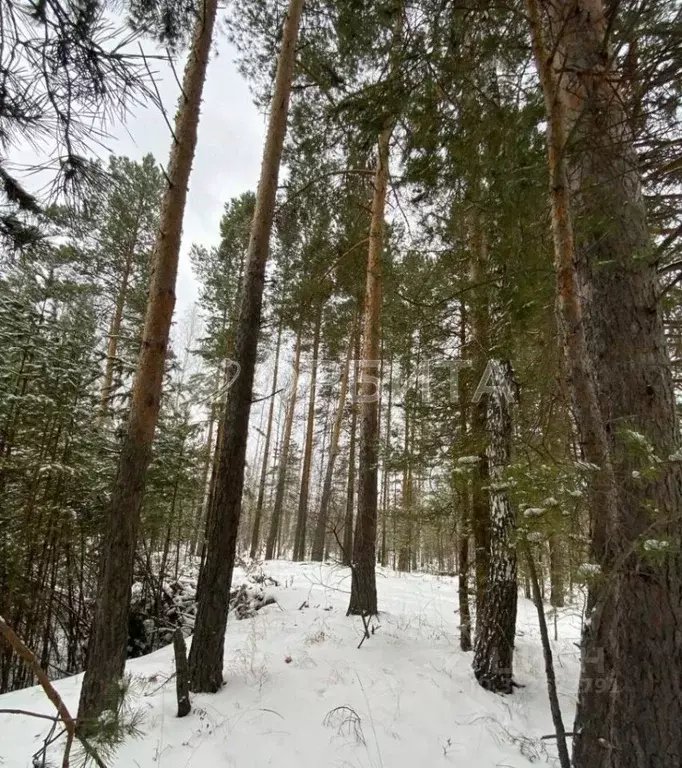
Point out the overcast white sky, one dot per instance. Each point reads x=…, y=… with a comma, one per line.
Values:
x=227, y=160
x=228, y=154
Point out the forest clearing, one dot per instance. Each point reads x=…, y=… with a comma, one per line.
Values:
x=300, y=692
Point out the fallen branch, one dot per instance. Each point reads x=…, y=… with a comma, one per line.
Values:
x=159, y=687
x=29, y=714
x=17, y=644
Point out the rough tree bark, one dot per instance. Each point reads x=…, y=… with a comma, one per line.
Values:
x=322, y=518
x=276, y=517
x=496, y=620
x=255, y=534
x=206, y=653
x=363, y=597
x=302, y=515
x=630, y=701
x=109, y=633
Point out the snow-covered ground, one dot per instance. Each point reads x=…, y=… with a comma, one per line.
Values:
x=300, y=694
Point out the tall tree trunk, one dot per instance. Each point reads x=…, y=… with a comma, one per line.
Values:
x=363, y=596
x=206, y=654
x=109, y=633
x=276, y=517
x=255, y=535
x=302, y=516
x=496, y=621
x=630, y=702
x=480, y=344
x=350, y=485
x=322, y=518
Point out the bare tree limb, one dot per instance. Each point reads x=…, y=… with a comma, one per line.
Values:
x=28, y=656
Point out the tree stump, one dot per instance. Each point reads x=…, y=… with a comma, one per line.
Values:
x=181, y=673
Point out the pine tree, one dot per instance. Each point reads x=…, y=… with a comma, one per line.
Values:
x=94, y=80
x=107, y=645
x=621, y=386
x=206, y=655
x=124, y=229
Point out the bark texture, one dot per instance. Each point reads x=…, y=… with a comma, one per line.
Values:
x=363, y=597
x=109, y=633
x=213, y=594
x=496, y=621
x=630, y=701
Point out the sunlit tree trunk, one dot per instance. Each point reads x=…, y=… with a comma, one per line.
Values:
x=630, y=702
x=206, y=654
x=109, y=633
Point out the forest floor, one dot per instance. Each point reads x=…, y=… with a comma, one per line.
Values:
x=301, y=694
